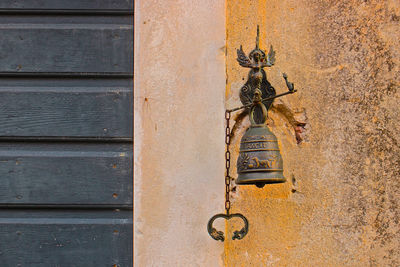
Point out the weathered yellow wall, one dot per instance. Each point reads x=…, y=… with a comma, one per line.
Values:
x=340, y=206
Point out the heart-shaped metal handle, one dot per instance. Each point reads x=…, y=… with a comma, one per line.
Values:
x=219, y=235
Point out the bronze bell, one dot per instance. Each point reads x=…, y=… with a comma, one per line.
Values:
x=259, y=161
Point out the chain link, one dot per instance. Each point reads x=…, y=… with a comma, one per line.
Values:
x=227, y=161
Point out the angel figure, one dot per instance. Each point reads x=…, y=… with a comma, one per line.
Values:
x=257, y=78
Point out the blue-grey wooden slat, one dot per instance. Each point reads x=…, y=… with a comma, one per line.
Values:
x=43, y=82
x=90, y=238
x=65, y=69
x=66, y=108
x=65, y=174
x=58, y=47
x=33, y=21
x=68, y=4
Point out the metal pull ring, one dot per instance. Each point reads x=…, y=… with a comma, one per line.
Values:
x=219, y=235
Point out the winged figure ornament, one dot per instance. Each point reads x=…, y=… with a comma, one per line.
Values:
x=259, y=61
x=270, y=57
x=243, y=60
x=257, y=78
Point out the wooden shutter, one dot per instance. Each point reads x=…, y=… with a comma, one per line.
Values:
x=66, y=96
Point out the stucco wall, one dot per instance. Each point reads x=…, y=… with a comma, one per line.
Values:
x=341, y=204
x=338, y=135
x=179, y=130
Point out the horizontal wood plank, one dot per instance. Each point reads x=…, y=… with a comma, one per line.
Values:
x=37, y=238
x=66, y=152
x=55, y=47
x=68, y=5
x=66, y=174
x=98, y=108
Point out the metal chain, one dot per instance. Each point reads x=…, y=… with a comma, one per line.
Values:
x=227, y=161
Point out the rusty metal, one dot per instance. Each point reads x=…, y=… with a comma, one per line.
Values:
x=262, y=100
x=227, y=162
x=259, y=161
x=219, y=235
x=257, y=78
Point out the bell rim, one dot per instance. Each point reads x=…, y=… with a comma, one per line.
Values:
x=274, y=180
x=259, y=170
x=252, y=182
